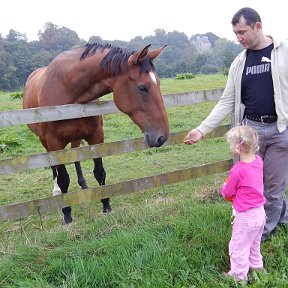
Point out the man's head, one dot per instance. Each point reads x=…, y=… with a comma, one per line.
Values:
x=250, y=16
x=247, y=27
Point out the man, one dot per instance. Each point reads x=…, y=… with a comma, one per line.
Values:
x=257, y=92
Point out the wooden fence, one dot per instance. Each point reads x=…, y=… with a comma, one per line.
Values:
x=37, y=206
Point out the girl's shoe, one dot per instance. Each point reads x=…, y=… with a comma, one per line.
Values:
x=227, y=275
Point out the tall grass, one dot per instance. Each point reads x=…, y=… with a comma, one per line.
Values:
x=172, y=236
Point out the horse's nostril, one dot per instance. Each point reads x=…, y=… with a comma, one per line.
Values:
x=161, y=141
x=154, y=142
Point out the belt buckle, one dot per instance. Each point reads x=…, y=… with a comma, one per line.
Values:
x=262, y=118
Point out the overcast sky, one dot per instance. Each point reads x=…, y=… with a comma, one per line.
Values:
x=126, y=19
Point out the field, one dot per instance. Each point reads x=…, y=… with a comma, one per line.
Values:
x=174, y=236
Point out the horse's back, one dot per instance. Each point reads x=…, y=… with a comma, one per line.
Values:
x=32, y=88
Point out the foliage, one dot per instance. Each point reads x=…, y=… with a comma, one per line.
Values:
x=54, y=38
x=18, y=57
x=208, y=69
x=17, y=94
x=9, y=140
x=225, y=71
x=182, y=76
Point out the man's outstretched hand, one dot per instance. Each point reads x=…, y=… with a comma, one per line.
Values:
x=193, y=137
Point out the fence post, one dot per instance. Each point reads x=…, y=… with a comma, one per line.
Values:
x=235, y=158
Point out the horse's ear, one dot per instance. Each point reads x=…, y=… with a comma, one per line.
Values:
x=154, y=53
x=137, y=57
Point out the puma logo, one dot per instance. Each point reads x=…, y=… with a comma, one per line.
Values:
x=265, y=59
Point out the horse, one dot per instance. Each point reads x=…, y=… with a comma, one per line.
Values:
x=82, y=75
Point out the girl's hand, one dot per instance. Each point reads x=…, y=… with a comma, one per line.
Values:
x=230, y=199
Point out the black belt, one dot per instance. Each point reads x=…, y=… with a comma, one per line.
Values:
x=263, y=119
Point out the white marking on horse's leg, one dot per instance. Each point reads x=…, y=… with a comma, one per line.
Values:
x=56, y=189
x=153, y=77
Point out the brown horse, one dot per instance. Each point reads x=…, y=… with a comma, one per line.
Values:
x=85, y=74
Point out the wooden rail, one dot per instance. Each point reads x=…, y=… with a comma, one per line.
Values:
x=67, y=156
x=16, y=211
x=70, y=111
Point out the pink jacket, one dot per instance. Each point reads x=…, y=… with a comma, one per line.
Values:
x=245, y=185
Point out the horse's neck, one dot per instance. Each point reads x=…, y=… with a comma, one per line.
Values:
x=94, y=92
x=84, y=81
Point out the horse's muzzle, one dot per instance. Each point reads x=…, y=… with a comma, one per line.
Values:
x=152, y=141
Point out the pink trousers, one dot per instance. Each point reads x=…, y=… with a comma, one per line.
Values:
x=244, y=246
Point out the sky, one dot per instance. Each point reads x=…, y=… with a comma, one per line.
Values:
x=127, y=19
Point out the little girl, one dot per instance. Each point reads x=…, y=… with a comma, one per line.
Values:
x=244, y=188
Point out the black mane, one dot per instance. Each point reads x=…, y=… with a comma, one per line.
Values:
x=117, y=57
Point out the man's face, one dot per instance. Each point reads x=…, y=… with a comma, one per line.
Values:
x=246, y=35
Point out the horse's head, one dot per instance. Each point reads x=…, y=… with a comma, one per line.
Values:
x=137, y=93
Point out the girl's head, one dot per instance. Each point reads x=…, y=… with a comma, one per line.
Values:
x=242, y=139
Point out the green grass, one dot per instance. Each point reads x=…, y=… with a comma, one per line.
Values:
x=200, y=82
x=173, y=236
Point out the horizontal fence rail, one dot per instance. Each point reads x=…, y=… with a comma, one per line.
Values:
x=33, y=207
x=71, y=111
x=67, y=156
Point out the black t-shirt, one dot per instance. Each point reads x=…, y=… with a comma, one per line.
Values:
x=257, y=90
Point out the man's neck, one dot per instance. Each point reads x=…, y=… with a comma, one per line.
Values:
x=264, y=42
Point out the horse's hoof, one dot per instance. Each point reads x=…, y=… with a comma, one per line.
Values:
x=68, y=219
x=107, y=209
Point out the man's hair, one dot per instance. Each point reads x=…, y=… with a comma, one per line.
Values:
x=250, y=15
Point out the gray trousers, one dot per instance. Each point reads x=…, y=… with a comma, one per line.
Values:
x=274, y=152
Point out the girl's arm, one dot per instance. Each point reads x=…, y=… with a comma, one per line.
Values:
x=229, y=188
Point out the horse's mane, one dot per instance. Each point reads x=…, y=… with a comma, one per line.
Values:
x=117, y=57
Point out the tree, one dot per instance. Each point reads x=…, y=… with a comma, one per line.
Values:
x=7, y=71
x=225, y=51
x=20, y=55
x=18, y=58
x=208, y=69
x=16, y=36
x=57, y=39
x=212, y=38
x=95, y=39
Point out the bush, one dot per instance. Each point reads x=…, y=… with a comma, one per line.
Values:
x=182, y=76
x=17, y=94
x=225, y=71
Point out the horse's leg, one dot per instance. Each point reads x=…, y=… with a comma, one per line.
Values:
x=97, y=137
x=56, y=189
x=81, y=180
x=63, y=180
x=60, y=175
x=100, y=175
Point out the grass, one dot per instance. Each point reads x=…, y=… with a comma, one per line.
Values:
x=173, y=236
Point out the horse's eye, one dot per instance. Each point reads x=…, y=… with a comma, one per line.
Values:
x=142, y=88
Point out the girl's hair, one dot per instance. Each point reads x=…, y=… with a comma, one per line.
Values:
x=243, y=136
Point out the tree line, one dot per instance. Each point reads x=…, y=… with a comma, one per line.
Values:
x=199, y=54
